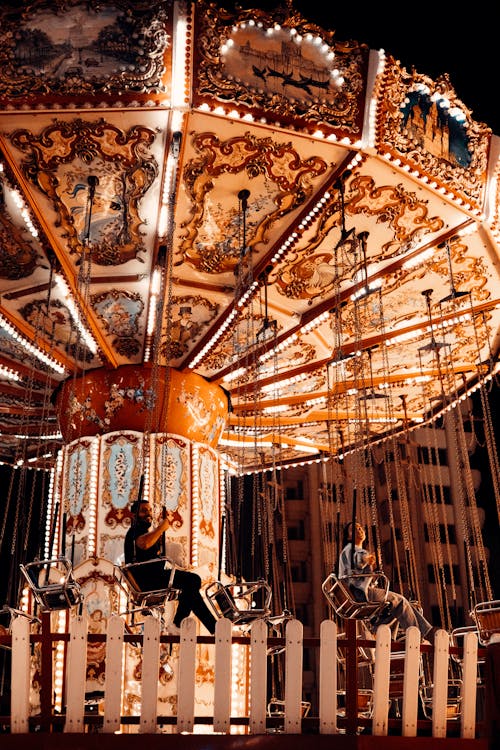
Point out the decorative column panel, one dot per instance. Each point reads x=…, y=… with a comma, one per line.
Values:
x=120, y=473
x=77, y=493
x=171, y=490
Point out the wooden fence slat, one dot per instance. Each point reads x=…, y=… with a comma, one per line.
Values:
x=150, y=670
x=257, y=685
x=76, y=667
x=380, y=717
x=258, y=677
x=411, y=679
x=186, y=676
x=113, y=681
x=440, y=687
x=293, y=676
x=469, y=687
x=20, y=680
x=328, y=678
x=223, y=676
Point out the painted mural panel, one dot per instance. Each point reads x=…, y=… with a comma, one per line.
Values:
x=425, y=124
x=121, y=48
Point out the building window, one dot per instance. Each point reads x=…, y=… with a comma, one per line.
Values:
x=295, y=491
x=452, y=537
x=299, y=572
x=431, y=456
x=447, y=573
x=297, y=532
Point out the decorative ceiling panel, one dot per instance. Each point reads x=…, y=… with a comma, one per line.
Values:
x=241, y=195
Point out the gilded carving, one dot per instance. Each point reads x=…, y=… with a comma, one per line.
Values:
x=59, y=161
x=209, y=239
x=424, y=123
x=259, y=66
x=18, y=259
x=189, y=317
x=70, y=48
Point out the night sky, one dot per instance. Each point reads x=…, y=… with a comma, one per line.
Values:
x=434, y=38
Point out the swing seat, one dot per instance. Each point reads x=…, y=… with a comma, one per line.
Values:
x=53, y=584
x=486, y=615
x=241, y=602
x=348, y=602
x=139, y=597
x=453, y=702
x=276, y=708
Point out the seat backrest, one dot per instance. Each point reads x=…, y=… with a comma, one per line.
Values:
x=52, y=583
x=139, y=595
x=241, y=602
x=127, y=572
x=338, y=594
x=487, y=618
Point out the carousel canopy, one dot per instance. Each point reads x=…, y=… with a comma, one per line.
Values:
x=296, y=218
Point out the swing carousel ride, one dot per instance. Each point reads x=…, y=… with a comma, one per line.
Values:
x=293, y=217
x=231, y=243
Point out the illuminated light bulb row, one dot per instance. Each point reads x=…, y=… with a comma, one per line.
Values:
x=291, y=240
x=153, y=302
x=418, y=421
x=365, y=290
x=48, y=517
x=442, y=101
x=16, y=197
x=418, y=260
x=7, y=372
x=316, y=40
x=415, y=335
x=320, y=401
x=277, y=409
x=313, y=213
x=463, y=396
x=238, y=441
x=356, y=159
x=285, y=383
x=179, y=63
x=238, y=669
x=59, y=663
x=222, y=506
x=168, y=188
x=234, y=375
x=148, y=468
x=31, y=460
x=92, y=498
x=271, y=353
x=224, y=326
x=322, y=318
x=50, y=436
x=228, y=45
x=195, y=505
x=75, y=314
x=450, y=195
x=251, y=430
x=372, y=110
x=25, y=600
x=29, y=347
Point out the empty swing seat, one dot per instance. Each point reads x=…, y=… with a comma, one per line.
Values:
x=240, y=602
x=486, y=615
x=345, y=599
x=53, y=584
x=140, y=597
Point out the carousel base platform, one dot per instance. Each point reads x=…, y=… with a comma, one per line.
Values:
x=94, y=741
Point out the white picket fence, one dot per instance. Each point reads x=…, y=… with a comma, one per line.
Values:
x=257, y=720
